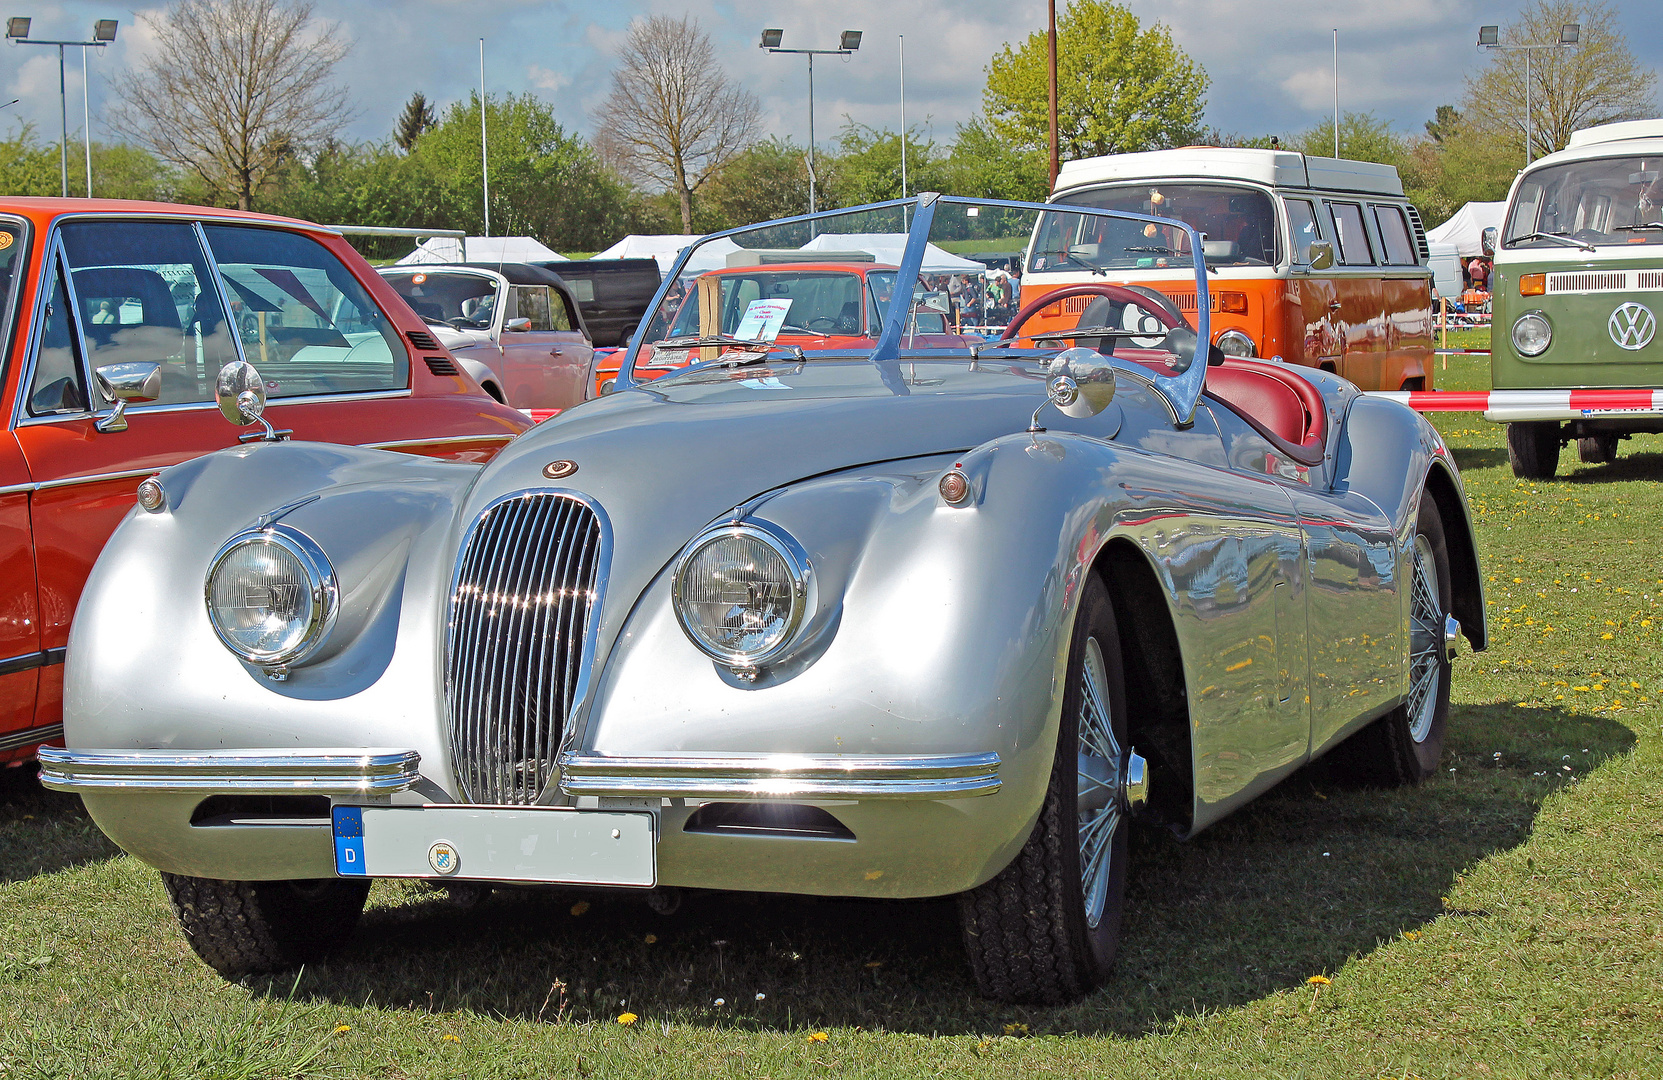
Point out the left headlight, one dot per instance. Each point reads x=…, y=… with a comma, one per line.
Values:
x=271, y=595
x=1236, y=343
x=742, y=592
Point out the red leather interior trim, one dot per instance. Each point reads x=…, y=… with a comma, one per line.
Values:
x=1284, y=408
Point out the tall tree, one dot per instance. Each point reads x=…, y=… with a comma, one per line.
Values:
x=1120, y=88
x=1597, y=81
x=672, y=118
x=416, y=118
x=234, y=89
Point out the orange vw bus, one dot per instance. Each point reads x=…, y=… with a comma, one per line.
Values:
x=1314, y=261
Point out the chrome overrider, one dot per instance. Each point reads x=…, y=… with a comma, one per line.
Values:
x=242, y=772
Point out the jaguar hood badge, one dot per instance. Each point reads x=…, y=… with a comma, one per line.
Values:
x=559, y=470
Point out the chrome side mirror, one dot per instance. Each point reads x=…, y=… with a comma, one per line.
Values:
x=1080, y=383
x=136, y=380
x=517, y=326
x=1319, y=254
x=242, y=396
x=1487, y=240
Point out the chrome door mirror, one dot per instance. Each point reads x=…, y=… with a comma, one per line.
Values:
x=1319, y=255
x=1487, y=240
x=135, y=380
x=1079, y=382
x=242, y=396
x=517, y=326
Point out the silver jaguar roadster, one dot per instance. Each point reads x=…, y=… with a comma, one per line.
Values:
x=796, y=609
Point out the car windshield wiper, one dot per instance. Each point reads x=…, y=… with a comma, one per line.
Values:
x=1093, y=332
x=1640, y=225
x=1077, y=261
x=1558, y=238
x=1153, y=249
x=729, y=339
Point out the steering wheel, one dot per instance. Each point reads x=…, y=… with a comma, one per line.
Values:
x=1120, y=294
x=821, y=322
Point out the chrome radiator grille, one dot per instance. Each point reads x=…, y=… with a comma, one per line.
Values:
x=514, y=649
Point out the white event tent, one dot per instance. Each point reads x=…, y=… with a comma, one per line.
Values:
x=447, y=249
x=667, y=247
x=887, y=248
x=1466, y=229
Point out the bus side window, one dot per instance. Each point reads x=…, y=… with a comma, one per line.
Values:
x=1354, y=238
x=1302, y=223
x=1394, y=236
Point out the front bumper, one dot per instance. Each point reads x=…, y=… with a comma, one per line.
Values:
x=920, y=826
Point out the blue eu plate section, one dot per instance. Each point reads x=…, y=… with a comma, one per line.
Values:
x=349, y=840
x=551, y=844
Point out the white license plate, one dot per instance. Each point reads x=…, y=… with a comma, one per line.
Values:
x=554, y=844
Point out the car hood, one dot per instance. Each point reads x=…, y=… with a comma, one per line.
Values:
x=664, y=459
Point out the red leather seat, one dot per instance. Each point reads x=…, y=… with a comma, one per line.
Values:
x=1275, y=400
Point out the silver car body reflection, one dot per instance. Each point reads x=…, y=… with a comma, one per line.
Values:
x=919, y=704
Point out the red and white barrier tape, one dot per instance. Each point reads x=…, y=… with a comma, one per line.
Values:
x=1503, y=406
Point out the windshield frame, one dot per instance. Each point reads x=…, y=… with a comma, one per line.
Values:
x=1171, y=187
x=13, y=299
x=1181, y=392
x=1512, y=235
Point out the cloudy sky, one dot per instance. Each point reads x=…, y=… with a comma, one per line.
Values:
x=1271, y=63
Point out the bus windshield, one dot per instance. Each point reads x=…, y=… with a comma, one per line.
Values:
x=1614, y=200
x=1238, y=223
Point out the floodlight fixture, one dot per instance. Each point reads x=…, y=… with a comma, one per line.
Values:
x=104, y=29
x=17, y=28
x=850, y=41
x=1489, y=35
x=771, y=39
x=1570, y=33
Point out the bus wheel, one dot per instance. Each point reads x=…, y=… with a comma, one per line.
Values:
x=1533, y=449
x=1597, y=449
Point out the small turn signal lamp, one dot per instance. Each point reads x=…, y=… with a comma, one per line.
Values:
x=1235, y=303
x=1533, y=284
x=954, y=487
x=151, y=496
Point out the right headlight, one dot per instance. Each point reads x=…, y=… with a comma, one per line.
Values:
x=271, y=595
x=742, y=592
x=1532, y=334
x=1236, y=343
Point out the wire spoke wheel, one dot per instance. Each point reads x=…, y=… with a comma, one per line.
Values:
x=1426, y=632
x=1098, y=768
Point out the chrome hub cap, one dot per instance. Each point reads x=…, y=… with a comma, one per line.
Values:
x=1110, y=783
x=1426, y=642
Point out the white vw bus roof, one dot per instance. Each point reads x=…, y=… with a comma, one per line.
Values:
x=1275, y=168
x=1626, y=129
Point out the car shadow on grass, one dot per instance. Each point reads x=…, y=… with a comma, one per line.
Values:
x=1313, y=873
x=1468, y=458
x=42, y=832
x=1647, y=466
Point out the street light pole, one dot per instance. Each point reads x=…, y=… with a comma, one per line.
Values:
x=1489, y=37
x=848, y=43
x=103, y=32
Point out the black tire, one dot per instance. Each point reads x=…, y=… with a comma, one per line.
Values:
x=1027, y=931
x=1597, y=449
x=243, y=928
x=1403, y=747
x=1533, y=449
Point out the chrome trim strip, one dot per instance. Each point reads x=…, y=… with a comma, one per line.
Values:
x=246, y=772
x=16, y=489
x=429, y=442
x=30, y=736
x=204, y=406
x=72, y=481
x=781, y=776
x=31, y=661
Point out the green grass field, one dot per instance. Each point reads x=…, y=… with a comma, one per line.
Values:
x=1504, y=920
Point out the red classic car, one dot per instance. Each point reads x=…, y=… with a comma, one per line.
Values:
x=107, y=300
x=822, y=304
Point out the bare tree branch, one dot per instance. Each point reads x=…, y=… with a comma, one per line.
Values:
x=235, y=89
x=672, y=117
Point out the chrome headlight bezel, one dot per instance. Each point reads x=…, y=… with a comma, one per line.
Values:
x=1236, y=339
x=320, y=581
x=797, y=565
x=1532, y=317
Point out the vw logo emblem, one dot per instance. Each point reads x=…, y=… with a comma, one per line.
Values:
x=1632, y=326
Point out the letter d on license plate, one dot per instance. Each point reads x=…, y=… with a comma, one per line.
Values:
x=552, y=844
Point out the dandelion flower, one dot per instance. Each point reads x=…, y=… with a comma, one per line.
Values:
x=580, y=907
x=1318, y=980
x=651, y=939
x=452, y=1038
x=818, y=1036
x=1413, y=935
x=627, y=1019
x=1016, y=1029
x=342, y=1029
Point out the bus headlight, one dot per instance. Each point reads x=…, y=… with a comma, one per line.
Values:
x=1532, y=334
x=1236, y=343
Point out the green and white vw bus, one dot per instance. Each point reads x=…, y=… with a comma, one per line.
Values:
x=1578, y=288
